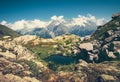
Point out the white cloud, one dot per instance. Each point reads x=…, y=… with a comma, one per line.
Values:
x=86, y=20
x=3, y=22
x=21, y=24
x=82, y=21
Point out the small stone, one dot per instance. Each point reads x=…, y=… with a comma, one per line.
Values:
x=111, y=54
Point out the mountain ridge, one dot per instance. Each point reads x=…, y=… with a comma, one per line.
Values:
x=111, y=25
x=5, y=31
x=58, y=25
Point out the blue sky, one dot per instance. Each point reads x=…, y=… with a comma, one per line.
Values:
x=13, y=10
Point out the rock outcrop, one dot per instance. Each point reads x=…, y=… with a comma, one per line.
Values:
x=86, y=46
x=18, y=64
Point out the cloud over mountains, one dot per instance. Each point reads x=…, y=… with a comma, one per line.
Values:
x=88, y=22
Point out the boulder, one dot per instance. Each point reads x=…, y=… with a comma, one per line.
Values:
x=105, y=46
x=118, y=28
x=86, y=38
x=93, y=57
x=6, y=37
x=24, y=39
x=111, y=55
x=96, y=51
x=106, y=78
x=83, y=63
x=58, y=52
x=76, y=51
x=14, y=78
x=86, y=46
x=0, y=50
x=116, y=15
x=110, y=33
x=29, y=79
x=118, y=50
x=8, y=55
x=117, y=32
x=116, y=42
x=109, y=39
x=96, y=44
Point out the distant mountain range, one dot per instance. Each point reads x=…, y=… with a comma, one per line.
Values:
x=57, y=28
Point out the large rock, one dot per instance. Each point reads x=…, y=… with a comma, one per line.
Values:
x=29, y=79
x=109, y=39
x=14, y=78
x=111, y=55
x=83, y=63
x=116, y=42
x=109, y=33
x=86, y=46
x=116, y=15
x=24, y=39
x=8, y=55
x=106, y=78
x=16, y=51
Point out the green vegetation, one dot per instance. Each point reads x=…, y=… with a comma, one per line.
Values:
x=46, y=53
x=33, y=67
x=5, y=31
x=43, y=52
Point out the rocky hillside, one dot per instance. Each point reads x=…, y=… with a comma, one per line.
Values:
x=5, y=31
x=18, y=64
x=111, y=26
x=66, y=58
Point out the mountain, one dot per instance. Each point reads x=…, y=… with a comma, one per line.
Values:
x=41, y=32
x=58, y=30
x=5, y=31
x=81, y=31
x=52, y=31
x=57, y=26
x=112, y=25
x=64, y=58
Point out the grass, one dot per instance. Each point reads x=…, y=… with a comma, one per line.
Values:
x=33, y=68
x=43, y=52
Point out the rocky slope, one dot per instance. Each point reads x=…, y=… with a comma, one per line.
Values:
x=111, y=26
x=18, y=64
x=66, y=58
x=5, y=31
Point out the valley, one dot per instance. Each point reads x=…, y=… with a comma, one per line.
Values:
x=64, y=58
